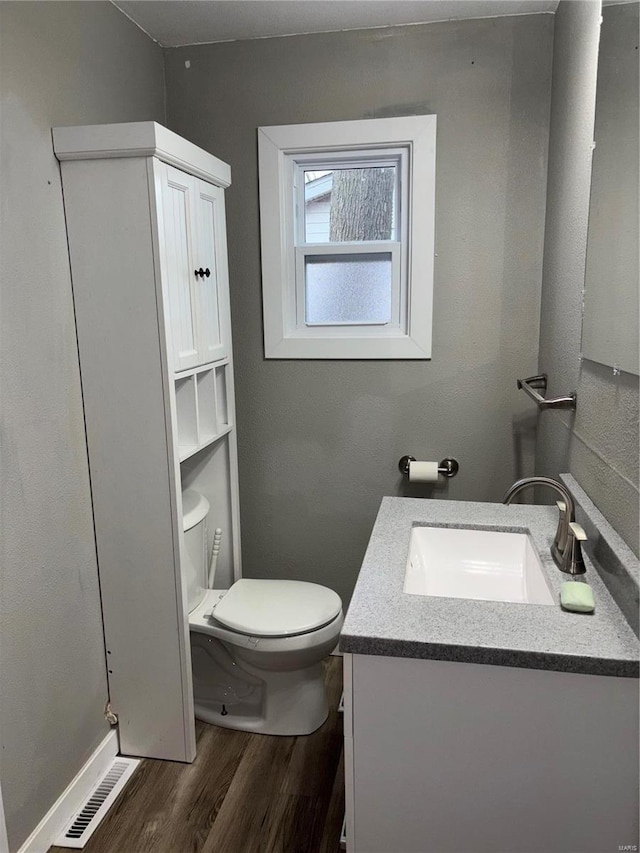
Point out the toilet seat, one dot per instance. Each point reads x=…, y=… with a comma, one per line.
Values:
x=276, y=608
x=201, y=622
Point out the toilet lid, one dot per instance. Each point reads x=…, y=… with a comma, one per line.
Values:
x=275, y=608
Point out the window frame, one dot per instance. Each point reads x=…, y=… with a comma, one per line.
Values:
x=396, y=247
x=284, y=152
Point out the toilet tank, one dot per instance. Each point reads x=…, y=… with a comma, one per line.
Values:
x=195, y=508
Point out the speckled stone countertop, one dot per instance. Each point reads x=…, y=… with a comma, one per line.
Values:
x=383, y=620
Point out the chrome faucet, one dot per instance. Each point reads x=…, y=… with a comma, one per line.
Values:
x=566, y=550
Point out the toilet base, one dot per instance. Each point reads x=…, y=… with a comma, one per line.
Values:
x=288, y=703
x=269, y=685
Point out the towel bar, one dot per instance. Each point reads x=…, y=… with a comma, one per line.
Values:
x=530, y=386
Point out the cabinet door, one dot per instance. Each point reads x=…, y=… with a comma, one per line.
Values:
x=178, y=227
x=211, y=255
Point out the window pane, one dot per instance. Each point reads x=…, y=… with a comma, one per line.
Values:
x=346, y=205
x=342, y=289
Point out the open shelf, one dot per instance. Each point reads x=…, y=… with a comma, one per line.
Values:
x=207, y=409
x=187, y=415
x=221, y=395
x=210, y=472
x=187, y=452
x=201, y=407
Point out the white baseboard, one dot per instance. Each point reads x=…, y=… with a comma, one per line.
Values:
x=4, y=842
x=68, y=803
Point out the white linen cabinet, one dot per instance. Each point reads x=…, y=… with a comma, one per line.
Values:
x=147, y=244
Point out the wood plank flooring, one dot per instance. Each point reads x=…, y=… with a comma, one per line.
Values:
x=244, y=793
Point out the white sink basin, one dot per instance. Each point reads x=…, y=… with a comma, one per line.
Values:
x=481, y=564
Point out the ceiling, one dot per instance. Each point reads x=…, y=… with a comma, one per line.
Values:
x=174, y=23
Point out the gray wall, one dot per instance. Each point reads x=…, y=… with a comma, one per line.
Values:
x=319, y=441
x=62, y=63
x=599, y=444
x=612, y=297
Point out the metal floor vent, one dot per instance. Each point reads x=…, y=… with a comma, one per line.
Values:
x=98, y=803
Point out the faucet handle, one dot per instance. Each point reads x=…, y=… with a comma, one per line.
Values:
x=572, y=561
x=560, y=539
x=578, y=531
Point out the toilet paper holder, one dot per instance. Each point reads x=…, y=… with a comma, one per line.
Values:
x=449, y=466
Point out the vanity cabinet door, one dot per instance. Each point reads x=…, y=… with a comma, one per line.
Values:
x=456, y=757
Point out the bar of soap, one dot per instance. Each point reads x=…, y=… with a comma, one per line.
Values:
x=577, y=597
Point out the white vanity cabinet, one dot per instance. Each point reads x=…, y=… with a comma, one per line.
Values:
x=144, y=211
x=453, y=757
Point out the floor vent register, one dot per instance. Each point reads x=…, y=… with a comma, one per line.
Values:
x=97, y=804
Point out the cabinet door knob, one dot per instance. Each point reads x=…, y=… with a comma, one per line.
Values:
x=207, y=272
x=202, y=273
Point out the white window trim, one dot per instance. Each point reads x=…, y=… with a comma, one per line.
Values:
x=283, y=337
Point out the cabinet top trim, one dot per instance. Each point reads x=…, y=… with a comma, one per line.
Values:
x=139, y=139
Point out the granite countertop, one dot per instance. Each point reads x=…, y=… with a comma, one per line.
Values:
x=383, y=620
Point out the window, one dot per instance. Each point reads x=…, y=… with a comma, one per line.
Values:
x=347, y=226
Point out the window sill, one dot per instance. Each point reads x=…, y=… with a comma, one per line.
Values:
x=381, y=348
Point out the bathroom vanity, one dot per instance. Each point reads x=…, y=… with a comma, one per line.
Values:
x=477, y=726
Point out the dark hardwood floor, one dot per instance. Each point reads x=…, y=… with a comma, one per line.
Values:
x=244, y=793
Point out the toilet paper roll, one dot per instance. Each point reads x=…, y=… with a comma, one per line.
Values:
x=423, y=472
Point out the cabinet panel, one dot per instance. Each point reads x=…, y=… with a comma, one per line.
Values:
x=455, y=757
x=207, y=416
x=177, y=203
x=222, y=406
x=137, y=509
x=210, y=255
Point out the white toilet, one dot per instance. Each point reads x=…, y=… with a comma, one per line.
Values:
x=257, y=648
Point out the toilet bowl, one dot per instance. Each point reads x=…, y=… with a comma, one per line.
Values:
x=261, y=679
x=256, y=648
